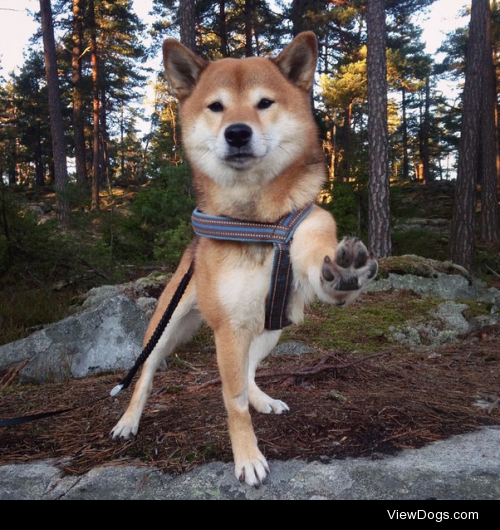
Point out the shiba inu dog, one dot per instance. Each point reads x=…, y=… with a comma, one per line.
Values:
x=253, y=146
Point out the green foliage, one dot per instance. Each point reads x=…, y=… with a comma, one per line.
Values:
x=168, y=201
x=171, y=244
x=345, y=207
x=156, y=226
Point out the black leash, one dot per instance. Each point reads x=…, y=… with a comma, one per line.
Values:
x=153, y=341
x=37, y=417
x=155, y=338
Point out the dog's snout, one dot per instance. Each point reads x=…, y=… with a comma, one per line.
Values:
x=238, y=135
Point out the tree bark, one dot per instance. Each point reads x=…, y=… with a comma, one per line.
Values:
x=248, y=28
x=56, y=119
x=296, y=15
x=223, y=29
x=406, y=158
x=96, y=162
x=39, y=173
x=378, y=132
x=187, y=9
x=490, y=223
x=344, y=170
x=463, y=234
x=78, y=120
x=426, y=130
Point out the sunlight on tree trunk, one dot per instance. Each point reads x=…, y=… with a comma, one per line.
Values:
x=78, y=102
x=96, y=183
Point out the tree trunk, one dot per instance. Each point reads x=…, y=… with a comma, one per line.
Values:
x=56, y=120
x=378, y=132
x=426, y=130
x=406, y=158
x=463, y=234
x=490, y=224
x=96, y=182
x=122, y=143
x=223, y=29
x=78, y=121
x=39, y=173
x=187, y=9
x=296, y=15
x=248, y=28
x=344, y=170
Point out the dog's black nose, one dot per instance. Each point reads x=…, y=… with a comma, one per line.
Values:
x=238, y=135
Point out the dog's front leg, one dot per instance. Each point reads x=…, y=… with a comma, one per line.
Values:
x=233, y=358
x=336, y=272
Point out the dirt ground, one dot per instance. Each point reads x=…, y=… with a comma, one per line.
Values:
x=343, y=405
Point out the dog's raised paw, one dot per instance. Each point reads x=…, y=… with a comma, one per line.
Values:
x=352, y=269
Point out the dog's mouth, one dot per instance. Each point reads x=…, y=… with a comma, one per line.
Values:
x=241, y=160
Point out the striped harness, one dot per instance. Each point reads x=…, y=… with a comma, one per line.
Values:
x=280, y=234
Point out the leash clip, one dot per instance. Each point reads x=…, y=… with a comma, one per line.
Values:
x=116, y=390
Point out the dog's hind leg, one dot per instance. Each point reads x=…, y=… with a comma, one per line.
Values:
x=185, y=321
x=261, y=347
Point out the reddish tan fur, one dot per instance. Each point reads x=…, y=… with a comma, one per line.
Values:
x=285, y=171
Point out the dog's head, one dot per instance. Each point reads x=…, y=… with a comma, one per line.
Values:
x=245, y=121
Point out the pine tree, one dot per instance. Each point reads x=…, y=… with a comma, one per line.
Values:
x=187, y=11
x=56, y=120
x=32, y=118
x=78, y=93
x=463, y=236
x=379, y=183
x=490, y=222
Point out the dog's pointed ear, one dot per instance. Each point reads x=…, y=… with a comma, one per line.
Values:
x=182, y=68
x=299, y=59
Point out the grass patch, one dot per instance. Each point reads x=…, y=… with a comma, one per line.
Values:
x=362, y=327
x=22, y=311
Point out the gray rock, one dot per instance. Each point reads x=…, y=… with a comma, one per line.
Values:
x=446, y=325
x=98, y=295
x=147, y=306
x=443, y=286
x=293, y=348
x=104, y=338
x=434, y=225
x=136, y=290
x=35, y=210
x=451, y=314
x=462, y=468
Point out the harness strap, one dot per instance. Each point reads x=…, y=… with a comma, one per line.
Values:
x=280, y=234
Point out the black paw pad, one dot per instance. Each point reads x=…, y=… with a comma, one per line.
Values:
x=348, y=284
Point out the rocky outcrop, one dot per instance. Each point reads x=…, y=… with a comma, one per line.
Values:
x=104, y=338
x=144, y=291
x=442, y=280
x=462, y=468
x=446, y=325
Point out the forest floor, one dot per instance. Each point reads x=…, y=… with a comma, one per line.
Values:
x=377, y=400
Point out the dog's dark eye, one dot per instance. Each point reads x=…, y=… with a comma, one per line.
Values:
x=216, y=107
x=265, y=104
